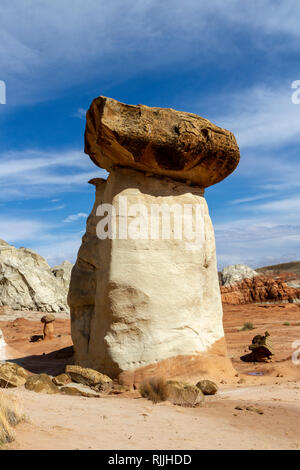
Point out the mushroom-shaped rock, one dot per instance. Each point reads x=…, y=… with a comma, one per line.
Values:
x=48, y=321
x=146, y=301
x=183, y=146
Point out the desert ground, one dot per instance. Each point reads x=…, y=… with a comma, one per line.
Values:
x=259, y=410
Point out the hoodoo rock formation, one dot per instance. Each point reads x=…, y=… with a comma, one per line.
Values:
x=144, y=292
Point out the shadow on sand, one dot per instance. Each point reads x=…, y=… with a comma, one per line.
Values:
x=53, y=363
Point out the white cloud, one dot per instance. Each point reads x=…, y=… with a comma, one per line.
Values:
x=262, y=117
x=34, y=173
x=80, y=114
x=74, y=217
x=89, y=39
x=13, y=230
x=63, y=247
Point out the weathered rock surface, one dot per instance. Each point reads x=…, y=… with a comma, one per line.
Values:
x=79, y=390
x=184, y=394
x=41, y=383
x=166, y=142
x=144, y=307
x=86, y=376
x=259, y=289
x=27, y=282
x=62, y=272
x=12, y=375
x=61, y=379
x=236, y=273
x=207, y=387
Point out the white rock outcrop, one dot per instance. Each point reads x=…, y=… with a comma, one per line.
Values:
x=62, y=272
x=236, y=273
x=144, y=306
x=28, y=283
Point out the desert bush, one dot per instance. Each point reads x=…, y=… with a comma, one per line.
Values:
x=247, y=326
x=10, y=415
x=155, y=389
x=286, y=323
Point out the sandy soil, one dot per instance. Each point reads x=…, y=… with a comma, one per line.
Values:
x=272, y=420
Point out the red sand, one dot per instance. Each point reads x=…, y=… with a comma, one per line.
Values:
x=130, y=422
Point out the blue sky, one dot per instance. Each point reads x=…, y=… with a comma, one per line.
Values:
x=232, y=62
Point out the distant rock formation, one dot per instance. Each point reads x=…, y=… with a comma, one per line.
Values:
x=236, y=273
x=288, y=272
x=62, y=272
x=142, y=307
x=242, y=285
x=28, y=283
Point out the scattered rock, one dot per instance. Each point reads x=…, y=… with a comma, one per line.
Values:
x=261, y=349
x=110, y=388
x=41, y=383
x=249, y=408
x=183, y=394
x=207, y=387
x=77, y=391
x=86, y=376
x=61, y=379
x=12, y=375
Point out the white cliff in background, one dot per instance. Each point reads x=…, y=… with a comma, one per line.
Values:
x=28, y=283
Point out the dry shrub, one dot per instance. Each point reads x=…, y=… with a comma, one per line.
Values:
x=247, y=326
x=11, y=414
x=155, y=389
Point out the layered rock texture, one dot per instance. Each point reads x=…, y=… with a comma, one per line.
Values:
x=166, y=142
x=242, y=285
x=28, y=283
x=144, y=305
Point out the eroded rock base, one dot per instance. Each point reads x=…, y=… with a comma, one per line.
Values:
x=141, y=306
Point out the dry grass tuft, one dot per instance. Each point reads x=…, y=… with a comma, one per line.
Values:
x=247, y=326
x=11, y=414
x=155, y=389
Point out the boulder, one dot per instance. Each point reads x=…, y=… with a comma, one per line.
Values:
x=184, y=394
x=27, y=282
x=41, y=383
x=207, y=387
x=162, y=141
x=12, y=375
x=86, y=376
x=79, y=391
